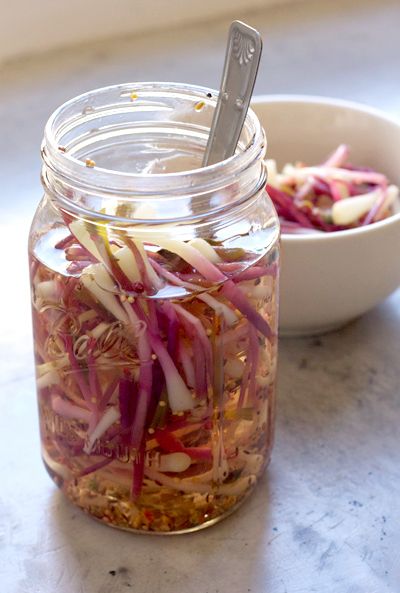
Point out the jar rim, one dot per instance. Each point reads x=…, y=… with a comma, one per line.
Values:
x=70, y=167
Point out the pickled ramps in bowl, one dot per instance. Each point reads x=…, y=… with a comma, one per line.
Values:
x=333, y=196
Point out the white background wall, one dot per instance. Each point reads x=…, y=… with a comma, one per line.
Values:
x=29, y=26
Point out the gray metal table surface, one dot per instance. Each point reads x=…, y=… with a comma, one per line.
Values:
x=325, y=517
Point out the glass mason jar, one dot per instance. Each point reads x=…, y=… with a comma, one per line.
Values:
x=154, y=299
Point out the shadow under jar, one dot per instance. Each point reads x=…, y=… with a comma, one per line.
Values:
x=154, y=299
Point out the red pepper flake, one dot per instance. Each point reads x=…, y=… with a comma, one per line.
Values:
x=138, y=287
x=148, y=515
x=62, y=149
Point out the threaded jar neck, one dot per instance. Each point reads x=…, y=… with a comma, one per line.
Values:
x=133, y=152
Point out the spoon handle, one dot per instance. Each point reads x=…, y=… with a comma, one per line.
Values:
x=242, y=58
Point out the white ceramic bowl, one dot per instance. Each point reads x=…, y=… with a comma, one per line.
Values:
x=329, y=279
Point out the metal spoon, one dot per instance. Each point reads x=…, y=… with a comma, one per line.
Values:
x=242, y=58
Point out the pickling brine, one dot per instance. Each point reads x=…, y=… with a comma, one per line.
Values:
x=155, y=339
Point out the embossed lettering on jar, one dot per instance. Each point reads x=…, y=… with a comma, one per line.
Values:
x=154, y=299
